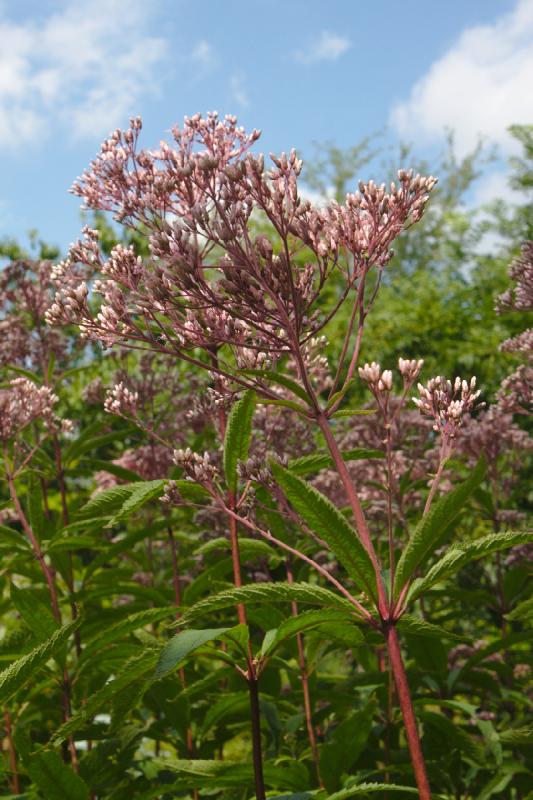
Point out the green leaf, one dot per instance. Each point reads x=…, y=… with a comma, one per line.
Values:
x=13, y=538
x=352, y=412
x=415, y=626
x=56, y=780
x=280, y=380
x=240, y=637
x=238, y=437
x=229, y=705
x=517, y=736
x=300, y=623
x=267, y=401
x=107, y=501
x=317, y=461
x=132, y=623
x=370, y=788
x=248, y=548
x=24, y=669
x=349, y=739
x=138, y=669
x=268, y=593
x=35, y=614
x=203, y=774
x=141, y=493
x=182, y=645
x=464, y=552
x=341, y=393
x=26, y=373
x=428, y=533
x=523, y=611
x=457, y=738
x=87, y=441
x=328, y=523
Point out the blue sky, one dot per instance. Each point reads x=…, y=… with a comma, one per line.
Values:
x=300, y=70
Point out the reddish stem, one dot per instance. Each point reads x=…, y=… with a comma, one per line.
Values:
x=406, y=705
x=177, y=602
x=15, y=780
x=46, y=570
x=65, y=517
x=357, y=511
x=304, y=677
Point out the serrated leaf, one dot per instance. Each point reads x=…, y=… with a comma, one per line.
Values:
x=182, y=645
x=268, y=593
x=429, y=530
x=517, y=736
x=203, y=774
x=230, y=704
x=279, y=379
x=305, y=621
x=138, y=668
x=24, y=669
x=523, y=611
x=416, y=626
x=239, y=636
x=35, y=614
x=317, y=461
x=106, y=502
x=132, y=623
x=56, y=780
x=248, y=548
x=330, y=525
x=454, y=733
x=13, y=538
x=267, y=401
x=370, y=788
x=238, y=437
x=465, y=552
x=347, y=742
x=141, y=493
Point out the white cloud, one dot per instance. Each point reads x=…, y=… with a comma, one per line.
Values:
x=238, y=90
x=84, y=68
x=327, y=47
x=479, y=87
x=203, y=54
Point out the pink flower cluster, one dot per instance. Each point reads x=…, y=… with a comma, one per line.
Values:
x=211, y=282
x=22, y=403
x=446, y=403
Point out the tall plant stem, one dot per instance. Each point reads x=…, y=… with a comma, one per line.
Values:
x=235, y=559
x=251, y=674
x=47, y=571
x=253, y=689
x=395, y=656
x=434, y=486
x=176, y=583
x=390, y=529
x=15, y=780
x=49, y=576
x=304, y=677
x=406, y=705
x=65, y=518
x=357, y=511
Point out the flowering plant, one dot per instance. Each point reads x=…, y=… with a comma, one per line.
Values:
x=348, y=510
